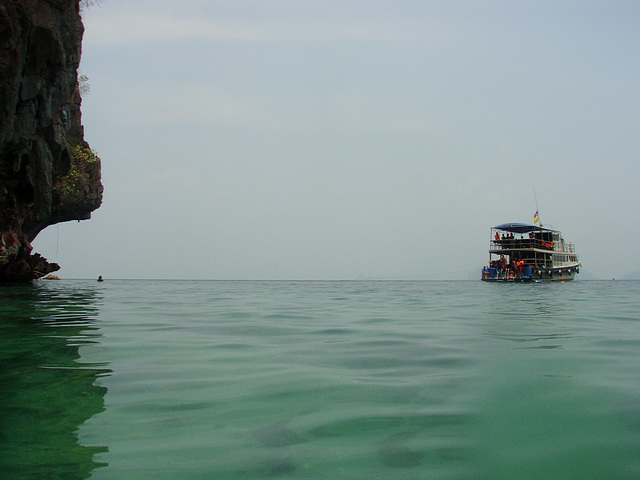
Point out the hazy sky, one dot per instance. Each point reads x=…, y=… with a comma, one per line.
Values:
x=307, y=139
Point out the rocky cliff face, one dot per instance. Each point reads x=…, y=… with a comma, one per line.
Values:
x=48, y=173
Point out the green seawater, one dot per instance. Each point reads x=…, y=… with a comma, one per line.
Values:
x=319, y=380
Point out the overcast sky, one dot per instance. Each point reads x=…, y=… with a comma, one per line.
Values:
x=352, y=139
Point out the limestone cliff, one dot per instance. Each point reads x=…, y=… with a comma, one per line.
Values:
x=48, y=173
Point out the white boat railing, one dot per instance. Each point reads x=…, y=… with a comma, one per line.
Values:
x=523, y=243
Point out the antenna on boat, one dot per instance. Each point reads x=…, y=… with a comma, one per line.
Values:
x=536, y=216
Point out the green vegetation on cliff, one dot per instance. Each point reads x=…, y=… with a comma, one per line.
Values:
x=73, y=184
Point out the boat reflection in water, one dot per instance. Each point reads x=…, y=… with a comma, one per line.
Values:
x=519, y=252
x=46, y=391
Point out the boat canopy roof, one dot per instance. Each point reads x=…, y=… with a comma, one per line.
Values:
x=521, y=228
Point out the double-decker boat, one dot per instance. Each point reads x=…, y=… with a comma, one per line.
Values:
x=519, y=252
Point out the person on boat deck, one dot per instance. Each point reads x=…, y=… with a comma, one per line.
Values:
x=503, y=262
x=497, y=237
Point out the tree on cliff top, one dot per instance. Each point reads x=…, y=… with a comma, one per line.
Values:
x=88, y=3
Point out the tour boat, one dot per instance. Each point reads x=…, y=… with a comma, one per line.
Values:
x=519, y=252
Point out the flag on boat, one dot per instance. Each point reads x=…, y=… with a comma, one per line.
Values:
x=536, y=217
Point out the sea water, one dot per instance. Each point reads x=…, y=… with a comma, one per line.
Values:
x=319, y=380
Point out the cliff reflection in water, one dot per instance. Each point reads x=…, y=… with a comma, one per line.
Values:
x=46, y=391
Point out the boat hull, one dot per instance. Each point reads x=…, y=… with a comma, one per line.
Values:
x=565, y=274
